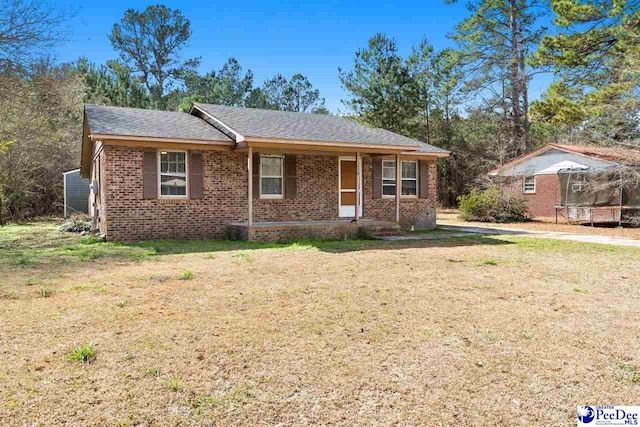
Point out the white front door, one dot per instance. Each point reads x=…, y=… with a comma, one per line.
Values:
x=347, y=174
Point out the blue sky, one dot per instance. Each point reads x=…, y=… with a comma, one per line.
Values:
x=312, y=38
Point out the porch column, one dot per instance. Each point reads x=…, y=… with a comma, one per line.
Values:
x=358, y=189
x=398, y=186
x=250, y=181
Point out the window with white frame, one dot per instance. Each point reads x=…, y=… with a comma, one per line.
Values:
x=409, y=178
x=579, y=184
x=173, y=174
x=529, y=185
x=388, y=178
x=271, y=171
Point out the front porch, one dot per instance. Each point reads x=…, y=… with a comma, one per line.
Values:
x=273, y=231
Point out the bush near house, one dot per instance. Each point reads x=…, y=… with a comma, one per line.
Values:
x=76, y=226
x=492, y=205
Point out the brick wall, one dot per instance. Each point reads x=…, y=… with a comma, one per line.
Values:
x=545, y=198
x=416, y=212
x=275, y=233
x=130, y=217
x=316, y=193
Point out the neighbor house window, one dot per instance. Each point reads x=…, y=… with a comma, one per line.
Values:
x=271, y=171
x=578, y=182
x=529, y=185
x=409, y=176
x=173, y=174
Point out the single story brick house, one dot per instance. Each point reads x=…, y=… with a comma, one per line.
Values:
x=534, y=176
x=224, y=172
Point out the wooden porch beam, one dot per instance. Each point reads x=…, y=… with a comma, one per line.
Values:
x=398, y=187
x=250, y=182
x=357, y=186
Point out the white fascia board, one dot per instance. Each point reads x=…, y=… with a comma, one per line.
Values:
x=238, y=136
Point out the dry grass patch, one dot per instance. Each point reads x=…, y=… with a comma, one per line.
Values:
x=451, y=216
x=356, y=332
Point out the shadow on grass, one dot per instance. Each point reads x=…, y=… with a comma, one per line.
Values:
x=41, y=245
x=172, y=247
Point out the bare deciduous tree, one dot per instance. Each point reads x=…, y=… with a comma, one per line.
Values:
x=27, y=29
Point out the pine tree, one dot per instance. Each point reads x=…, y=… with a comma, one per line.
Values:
x=494, y=42
x=596, y=58
x=380, y=86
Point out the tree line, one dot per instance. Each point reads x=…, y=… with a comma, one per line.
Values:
x=472, y=98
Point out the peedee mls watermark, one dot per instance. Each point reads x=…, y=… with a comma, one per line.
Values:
x=608, y=415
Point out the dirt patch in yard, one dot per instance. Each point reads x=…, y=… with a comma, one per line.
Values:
x=498, y=330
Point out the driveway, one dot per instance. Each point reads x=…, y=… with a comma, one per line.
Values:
x=606, y=240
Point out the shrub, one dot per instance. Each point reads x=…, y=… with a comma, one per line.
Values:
x=76, y=226
x=492, y=205
x=85, y=353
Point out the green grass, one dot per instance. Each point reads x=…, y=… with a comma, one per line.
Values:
x=564, y=246
x=173, y=384
x=435, y=231
x=186, y=275
x=85, y=353
x=40, y=245
x=152, y=372
x=244, y=256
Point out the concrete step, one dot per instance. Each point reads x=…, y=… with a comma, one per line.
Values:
x=387, y=229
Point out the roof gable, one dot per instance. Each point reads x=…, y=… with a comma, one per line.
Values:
x=543, y=160
x=254, y=123
x=137, y=122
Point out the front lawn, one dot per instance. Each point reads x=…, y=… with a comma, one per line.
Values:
x=473, y=330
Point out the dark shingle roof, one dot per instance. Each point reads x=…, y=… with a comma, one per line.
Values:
x=252, y=122
x=621, y=155
x=150, y=123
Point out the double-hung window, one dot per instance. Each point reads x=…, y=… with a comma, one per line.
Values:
x=173, y=174
x=271, y=172
x=409, y=178
x=388, y=178
x=529, y=185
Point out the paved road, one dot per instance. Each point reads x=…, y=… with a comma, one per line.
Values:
x=461, y=230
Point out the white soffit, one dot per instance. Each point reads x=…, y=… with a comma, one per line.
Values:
x=565, y=164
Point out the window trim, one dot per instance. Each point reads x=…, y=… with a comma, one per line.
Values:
x=388, y=196
x=186, y=175
x=416, y=179
x=410, y=196
x=524, y=185
x=271, y=196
